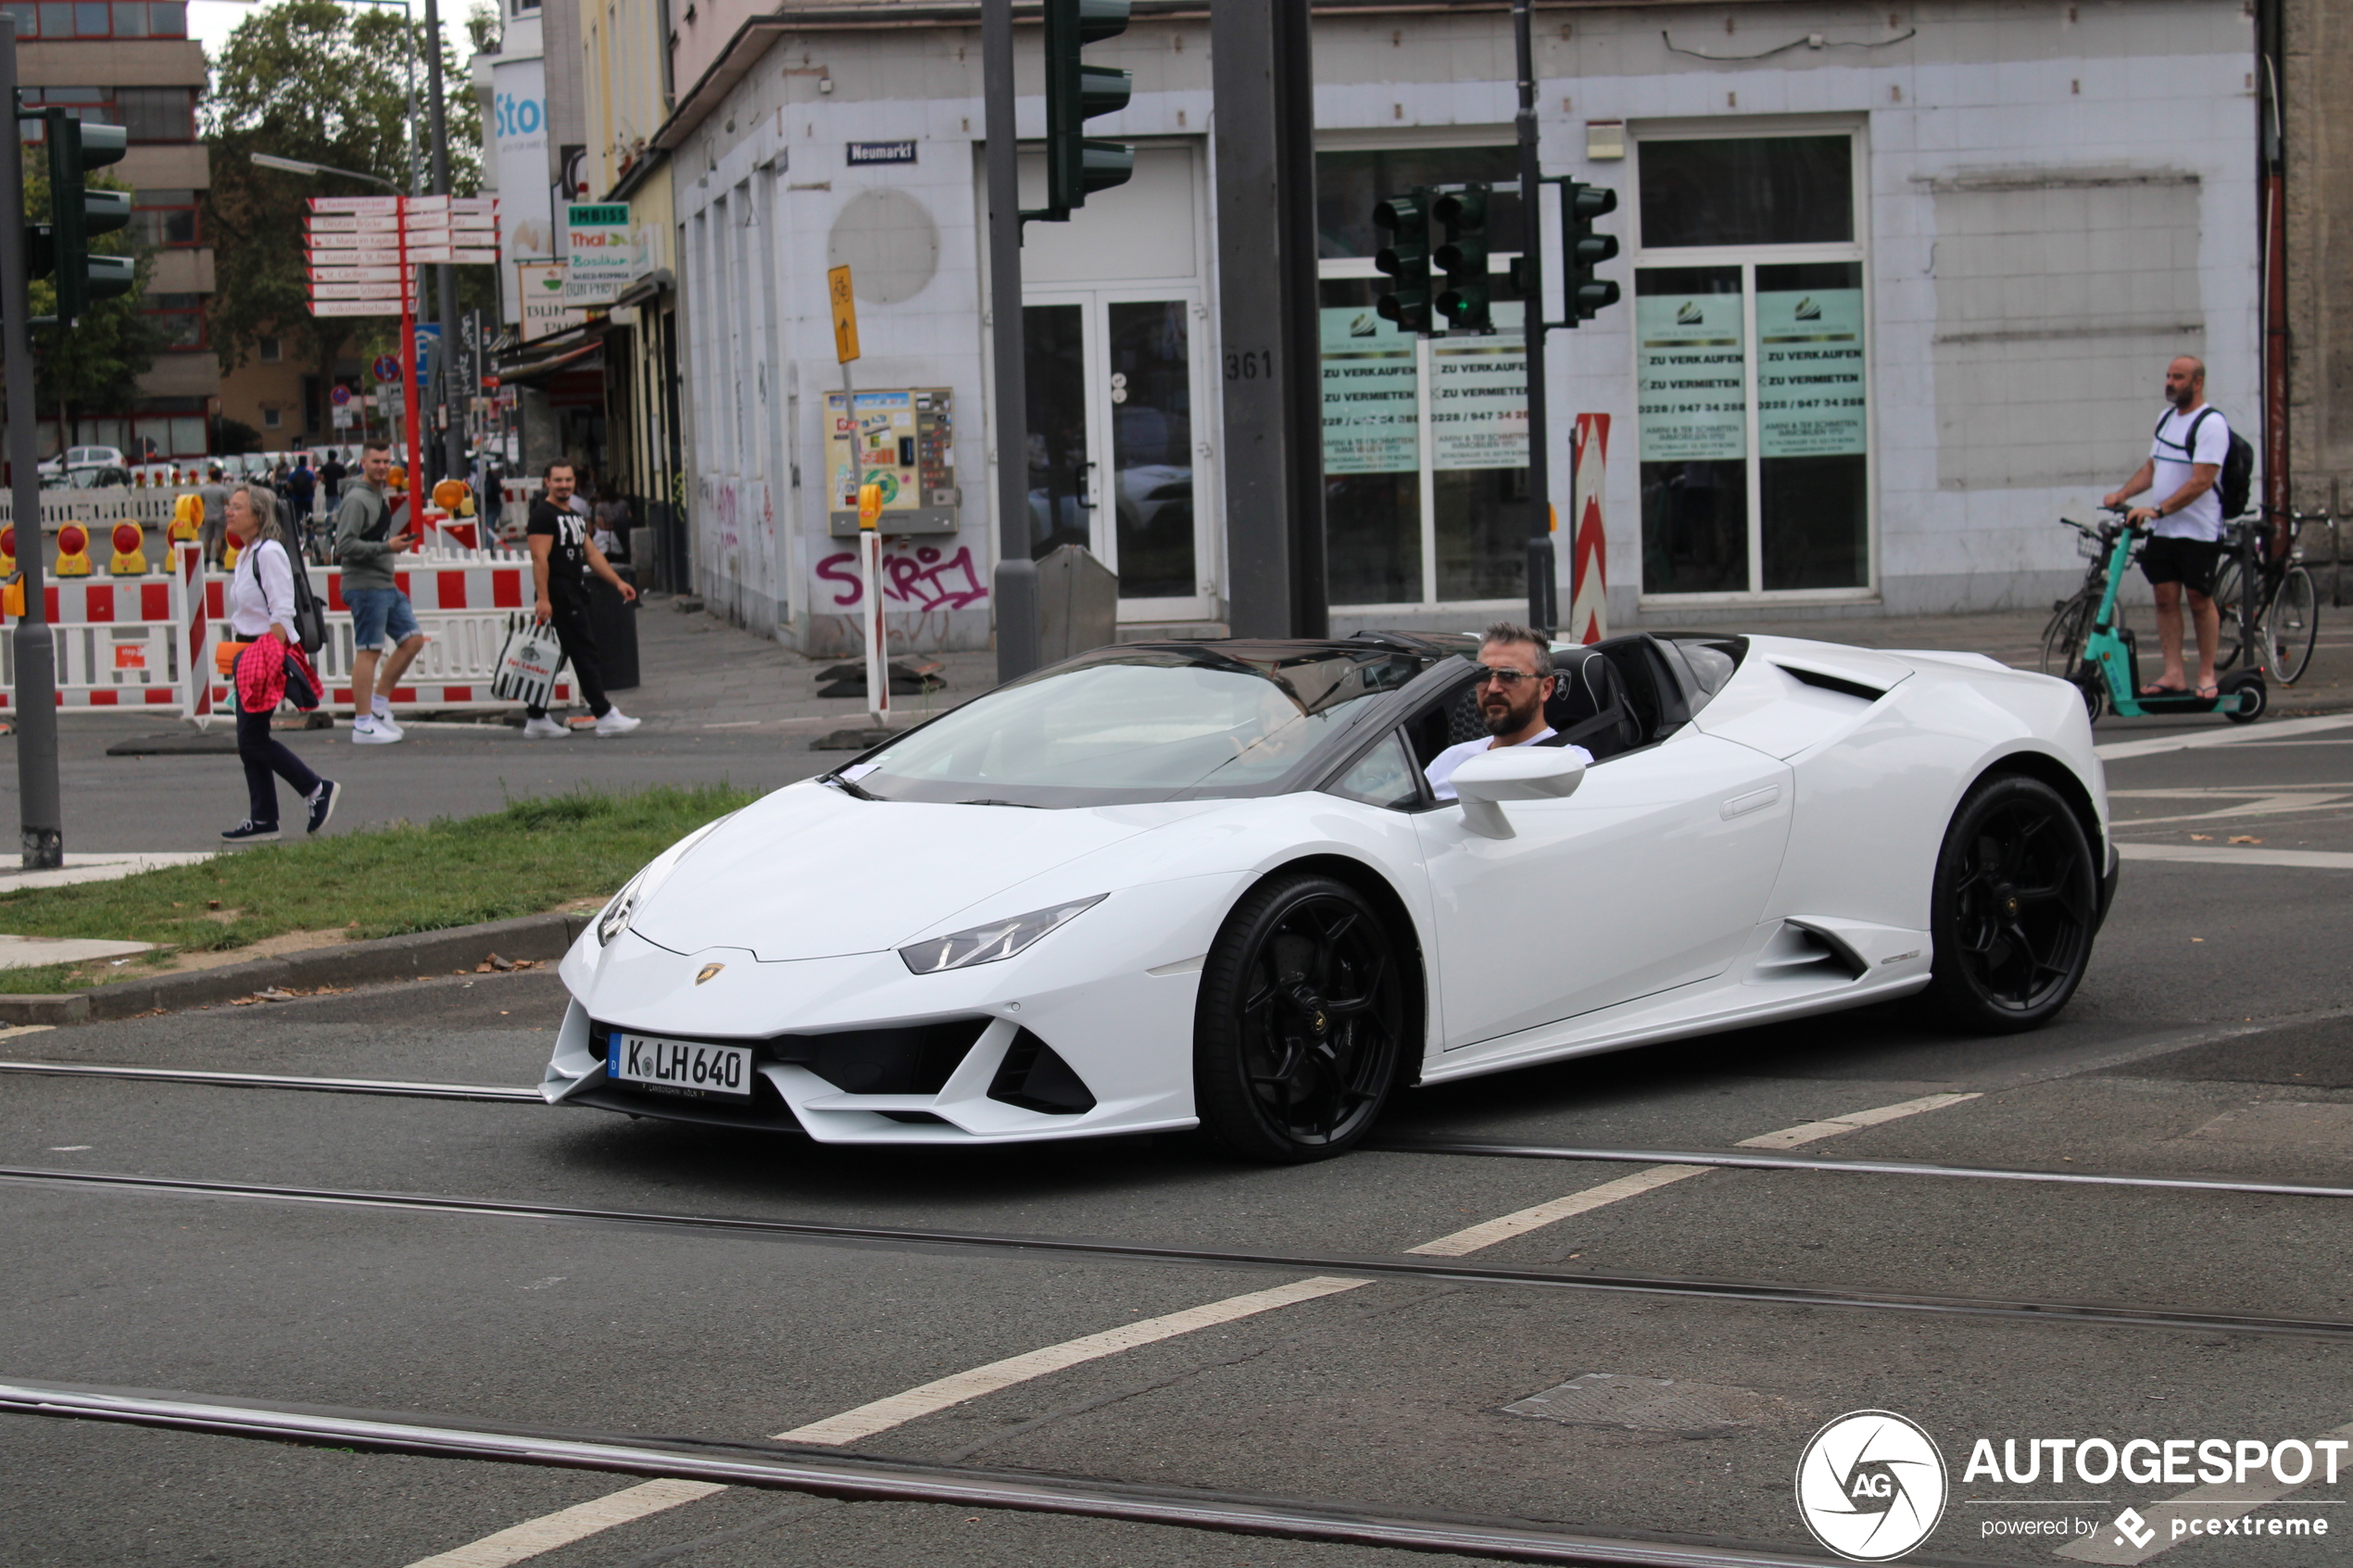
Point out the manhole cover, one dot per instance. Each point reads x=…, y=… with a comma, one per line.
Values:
x=1652, y=1404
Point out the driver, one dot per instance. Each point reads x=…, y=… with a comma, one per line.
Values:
x=1516, y=665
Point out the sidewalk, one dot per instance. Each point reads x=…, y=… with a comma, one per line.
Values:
x=700, y=672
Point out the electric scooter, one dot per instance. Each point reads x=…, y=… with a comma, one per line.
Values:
x=2110, y=676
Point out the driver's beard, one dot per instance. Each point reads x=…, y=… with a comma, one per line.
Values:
x=1507, y=720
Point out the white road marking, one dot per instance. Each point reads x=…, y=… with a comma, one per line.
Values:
x=883, y=1414
x=2229, y=1500
x=14, y=1030
x=2235, y=734
x=2248, y=855
x=567, y=1526
x=2257, y=803
x=561, y=1528
x=1814, y=1132
x=1510, y=1225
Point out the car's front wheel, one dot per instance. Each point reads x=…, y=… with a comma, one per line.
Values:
x=2015, y=905
x=1300, y=1022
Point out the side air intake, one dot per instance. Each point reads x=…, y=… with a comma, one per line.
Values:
x=1035, y=1078
x=1798, y=952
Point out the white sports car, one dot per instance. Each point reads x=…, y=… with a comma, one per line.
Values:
x=1206, y=883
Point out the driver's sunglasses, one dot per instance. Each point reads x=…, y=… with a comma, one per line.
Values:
x=1507, y=679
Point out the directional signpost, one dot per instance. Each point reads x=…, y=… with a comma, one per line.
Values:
x=364, y=252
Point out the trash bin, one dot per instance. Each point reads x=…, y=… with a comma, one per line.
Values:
x=613, y=621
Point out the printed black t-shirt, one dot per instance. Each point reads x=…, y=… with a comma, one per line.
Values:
x=568, y=556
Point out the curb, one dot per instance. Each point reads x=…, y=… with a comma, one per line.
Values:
x=390, y=958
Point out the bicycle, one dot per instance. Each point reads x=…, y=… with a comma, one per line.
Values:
x=2286, y=609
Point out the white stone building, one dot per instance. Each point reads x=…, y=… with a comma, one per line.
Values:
x=1901, y=282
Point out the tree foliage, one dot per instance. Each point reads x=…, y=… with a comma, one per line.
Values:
x=317, y=82
x=97, y=364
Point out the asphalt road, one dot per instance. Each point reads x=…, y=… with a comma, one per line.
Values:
x=2213, y=1038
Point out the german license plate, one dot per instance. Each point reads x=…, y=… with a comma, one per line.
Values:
x=683, y=1066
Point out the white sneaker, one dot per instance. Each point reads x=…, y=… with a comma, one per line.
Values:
x=386, y=726
x=543, y=728
x=616, y=723
x=372, y=732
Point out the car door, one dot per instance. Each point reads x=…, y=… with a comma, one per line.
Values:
x=1650, y=876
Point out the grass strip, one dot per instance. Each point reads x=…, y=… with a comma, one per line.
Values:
x=533, y=855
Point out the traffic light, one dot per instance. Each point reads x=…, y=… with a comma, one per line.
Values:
x=1076, y=92
x=77, y=213
x=1587, y=294
x=1406, y=258
x=1463, y=304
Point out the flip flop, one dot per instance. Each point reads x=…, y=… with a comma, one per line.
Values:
x=2209, y=692
x=2156, y=688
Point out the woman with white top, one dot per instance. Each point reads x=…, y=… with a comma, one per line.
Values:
x=261, y=608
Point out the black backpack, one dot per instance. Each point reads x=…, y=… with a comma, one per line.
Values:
x=2236, y=482
x=309, y=615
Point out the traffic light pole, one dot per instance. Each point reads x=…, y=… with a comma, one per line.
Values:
x=1014, y=583
x=39, y=812
x=1544, y=607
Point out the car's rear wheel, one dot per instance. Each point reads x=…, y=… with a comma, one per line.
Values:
x=2014, y=907
x=1300, y=1022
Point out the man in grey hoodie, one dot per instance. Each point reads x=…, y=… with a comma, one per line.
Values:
x=366, y=545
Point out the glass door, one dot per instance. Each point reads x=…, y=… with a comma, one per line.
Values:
x=1116, y=452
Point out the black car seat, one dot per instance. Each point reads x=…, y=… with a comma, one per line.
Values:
x=1590, y=706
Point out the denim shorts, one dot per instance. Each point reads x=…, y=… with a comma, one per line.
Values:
x=378, y=615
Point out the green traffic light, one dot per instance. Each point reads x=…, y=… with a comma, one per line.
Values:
x=1075, y=93
x=1466, y=304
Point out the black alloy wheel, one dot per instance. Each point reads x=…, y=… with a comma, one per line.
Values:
x=2014, y=907
x=1299, y=1022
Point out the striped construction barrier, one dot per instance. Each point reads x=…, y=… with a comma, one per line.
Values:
x=149, y=642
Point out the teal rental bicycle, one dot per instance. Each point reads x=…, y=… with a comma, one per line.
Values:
x=2107, y=669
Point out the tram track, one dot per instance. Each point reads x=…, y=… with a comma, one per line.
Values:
x=1426, y=1270
x=861, y=1478
x=1475, y=1149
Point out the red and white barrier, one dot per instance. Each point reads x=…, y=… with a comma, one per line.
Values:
x=1588, y=549
x=148, y=642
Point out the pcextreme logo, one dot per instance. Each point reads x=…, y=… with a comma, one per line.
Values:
x=1870, y=1486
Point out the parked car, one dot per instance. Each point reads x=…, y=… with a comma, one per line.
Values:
x=83, y=458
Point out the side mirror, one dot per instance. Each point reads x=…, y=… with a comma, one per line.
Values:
x=1515, y=772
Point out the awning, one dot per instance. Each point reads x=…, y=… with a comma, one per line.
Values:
x=579, y=357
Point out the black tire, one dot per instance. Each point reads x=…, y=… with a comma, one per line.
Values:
x=2229, y=587
x=1300, y=1021
x=2063, y=638
x=2253, y=700
x=2013, y=909
x=2292, y=625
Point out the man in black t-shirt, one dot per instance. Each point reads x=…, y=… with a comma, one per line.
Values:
x=562, y=559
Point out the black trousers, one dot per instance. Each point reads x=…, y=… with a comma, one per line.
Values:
x=265, y=754
x=568, y=613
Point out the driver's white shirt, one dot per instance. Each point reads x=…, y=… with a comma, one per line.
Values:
x=1440, y=772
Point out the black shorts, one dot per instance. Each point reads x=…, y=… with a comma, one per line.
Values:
x=2190, y=563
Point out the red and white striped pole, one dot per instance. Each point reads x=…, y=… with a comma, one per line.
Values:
x=408, y=352
x=1588, y=549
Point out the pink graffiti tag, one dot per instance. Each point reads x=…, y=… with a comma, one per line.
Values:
x=919, y=579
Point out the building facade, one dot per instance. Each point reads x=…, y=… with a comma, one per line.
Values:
x=1900, y=286
x=130, y=63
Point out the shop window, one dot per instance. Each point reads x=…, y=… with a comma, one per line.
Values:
x=1425, y=497
x=1751, y=372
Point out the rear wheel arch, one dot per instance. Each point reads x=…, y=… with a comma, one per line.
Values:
x=2041, y=765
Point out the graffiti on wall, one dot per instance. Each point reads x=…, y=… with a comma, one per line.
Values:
x=917, y=577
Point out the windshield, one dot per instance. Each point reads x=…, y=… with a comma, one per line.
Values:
x=1141, y=724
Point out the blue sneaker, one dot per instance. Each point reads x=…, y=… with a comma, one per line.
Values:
x=249, y=831
x=322, y=803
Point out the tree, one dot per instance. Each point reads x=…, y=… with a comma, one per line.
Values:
x=95, y=364
x=312, y=81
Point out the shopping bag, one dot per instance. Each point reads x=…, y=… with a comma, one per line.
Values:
x=527, y=665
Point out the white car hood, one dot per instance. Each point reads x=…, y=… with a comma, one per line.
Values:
x=811, y=872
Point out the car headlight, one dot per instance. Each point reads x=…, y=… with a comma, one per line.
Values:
x=615, y=920
x=998, y=939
